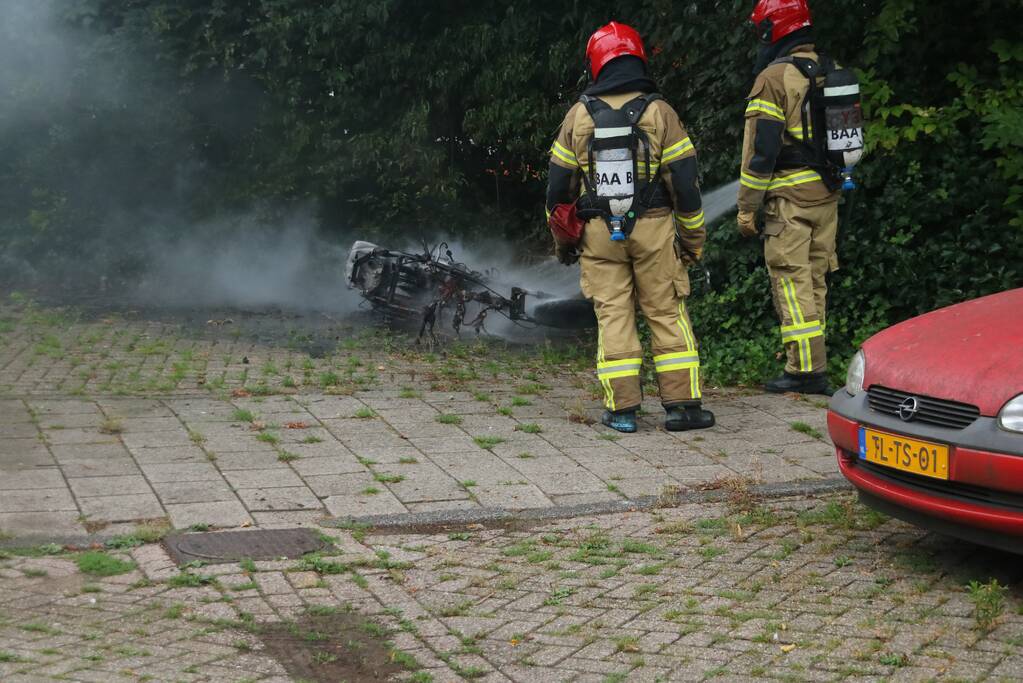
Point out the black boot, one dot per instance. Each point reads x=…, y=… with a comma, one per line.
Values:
x=814, y=383
x=622, y=421
x=688, y=416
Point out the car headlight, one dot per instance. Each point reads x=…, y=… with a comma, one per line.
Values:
x=1011, y=417
x=854, y=377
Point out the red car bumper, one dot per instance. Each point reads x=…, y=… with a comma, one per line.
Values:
x=974, y=470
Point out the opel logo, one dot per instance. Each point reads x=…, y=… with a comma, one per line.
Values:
x=908, y=409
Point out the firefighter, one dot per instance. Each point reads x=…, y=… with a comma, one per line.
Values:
x=800, y=204
x=638, y=223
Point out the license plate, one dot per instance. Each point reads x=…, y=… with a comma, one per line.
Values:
x=903, y=453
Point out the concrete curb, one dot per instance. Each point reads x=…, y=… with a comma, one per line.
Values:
x=427, y=522
x=413, y=522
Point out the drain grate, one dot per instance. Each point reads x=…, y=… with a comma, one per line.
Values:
x=234, y=546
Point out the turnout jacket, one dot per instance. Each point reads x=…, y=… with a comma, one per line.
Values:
x=672, y=160
x=774, y=119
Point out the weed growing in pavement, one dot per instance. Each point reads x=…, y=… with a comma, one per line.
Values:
x=242, y=415
x=111, y=426
x=481, y=396
x=988, y=602
x=529, y=428
x=370, y=491
x=408, y=392
x=36, y=627
x=268, y=437
x=627, y=644
x=505, y=411
x=520, y=402
x=190, y=580
x=365, y=413
x=407, y=460
x=558, y=596
x=98, y=563
x=488, y=442
x=896, y=659
x=449, y=419
x=844, y=514
x=384, y=478
x=804, y=428
x=34, y=573
x=311, y=439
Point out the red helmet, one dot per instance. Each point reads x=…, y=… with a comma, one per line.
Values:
x=775, y=19
x=612, y=41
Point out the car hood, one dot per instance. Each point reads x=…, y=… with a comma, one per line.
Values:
x=971, y=352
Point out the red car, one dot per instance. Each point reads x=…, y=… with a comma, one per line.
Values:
x=929, y=427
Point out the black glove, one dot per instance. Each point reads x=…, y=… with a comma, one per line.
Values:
x=566, y=255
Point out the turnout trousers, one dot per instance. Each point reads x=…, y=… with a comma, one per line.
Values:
x=799, y=248
x=643, y=271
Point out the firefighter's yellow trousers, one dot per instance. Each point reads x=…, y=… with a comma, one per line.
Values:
x=644, y=270
x=799, y=249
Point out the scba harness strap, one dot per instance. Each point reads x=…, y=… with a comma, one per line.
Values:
x=615, y=191
x=838, y=97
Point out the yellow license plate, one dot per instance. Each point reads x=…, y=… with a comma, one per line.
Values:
x=903, y=453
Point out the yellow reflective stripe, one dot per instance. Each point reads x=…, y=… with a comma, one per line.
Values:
x=676, y=150
x=603, y=365
x=677, y=365
x=765, y=107
x=694, y=223
x=798, y=327
x=563, y=153
x=607, y=376
x=687, y=334
x=754, y=183
x=609, y=392
x=805, y=360
x=683, y=356
x=800, y=178
x=797, y=132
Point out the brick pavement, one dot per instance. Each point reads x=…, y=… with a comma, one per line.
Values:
x=790, y=591
x=107, y=423
x=113, y=425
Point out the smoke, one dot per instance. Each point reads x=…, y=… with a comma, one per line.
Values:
x=246, y=264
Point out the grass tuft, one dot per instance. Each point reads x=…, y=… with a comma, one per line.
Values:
x=98, y=563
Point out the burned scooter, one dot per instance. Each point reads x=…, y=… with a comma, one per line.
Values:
x=431, y=285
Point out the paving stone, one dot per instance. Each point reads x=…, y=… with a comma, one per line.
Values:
x=38, y=500
x=180, y=472
x=86, y=487
x=171, y=493
x=28, y=479
x=220, y=514
x=283, y=498
x=256, y=478
x=121, y=508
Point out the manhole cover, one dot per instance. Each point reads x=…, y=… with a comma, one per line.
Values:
x=234, y=546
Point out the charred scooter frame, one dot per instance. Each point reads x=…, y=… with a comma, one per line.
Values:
x=407, y=286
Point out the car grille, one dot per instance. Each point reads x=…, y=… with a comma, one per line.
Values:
x=933, y=411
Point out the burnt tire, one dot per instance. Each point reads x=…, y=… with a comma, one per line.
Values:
x=566, y=314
